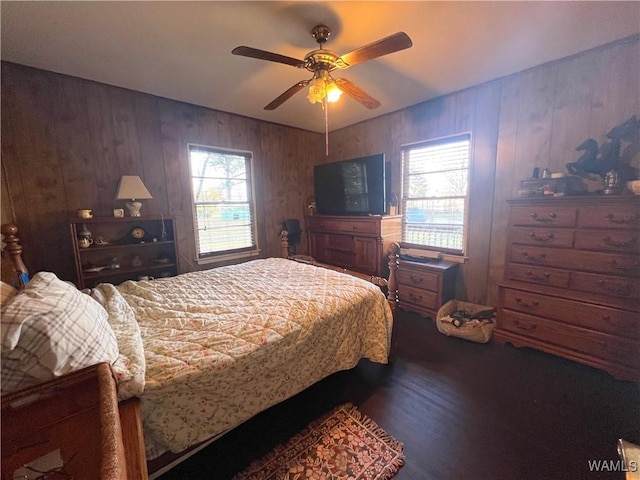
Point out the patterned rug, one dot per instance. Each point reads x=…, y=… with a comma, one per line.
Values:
x=343, y=444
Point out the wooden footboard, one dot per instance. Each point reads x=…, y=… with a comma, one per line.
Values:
x=390, y=283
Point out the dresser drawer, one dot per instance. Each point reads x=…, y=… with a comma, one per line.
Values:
x=418, y=279
x=545, y=215
x=542, y=236
x=539, y=275
x=623, y=241
x=423, y=298
x=343, y=225
x=616, y=264
x=317, y=223
x=340, y=242
x=605, y=216
x=606, y=285
x=358, y=226
x=624, y=323
x=589, y=342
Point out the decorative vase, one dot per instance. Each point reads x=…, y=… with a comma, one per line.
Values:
x=135, y=261
x=84, y=231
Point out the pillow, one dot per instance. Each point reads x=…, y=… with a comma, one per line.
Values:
x=7, y=292
x=130, y=367
x=49, y=329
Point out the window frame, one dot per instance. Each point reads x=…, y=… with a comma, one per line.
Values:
x=234, y=253
x=441, y=251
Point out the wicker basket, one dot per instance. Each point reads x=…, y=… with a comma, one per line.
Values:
x=480, y=333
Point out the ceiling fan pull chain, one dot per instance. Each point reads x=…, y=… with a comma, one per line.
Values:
x=325, y=107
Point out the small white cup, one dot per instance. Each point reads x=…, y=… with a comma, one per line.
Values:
x=85, y=213
x=118, y=212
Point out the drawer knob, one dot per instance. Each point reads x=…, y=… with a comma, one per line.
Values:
x=612, y=243
x=413, y=296
x=622, y=221
x=537, y=218
x=545, y=238
x=619, y=289
x=524, y=304
x=625, y=268
x=527, y=327
x=534, y=258
x=355, y=227
x=540, y=278
x=415, y=279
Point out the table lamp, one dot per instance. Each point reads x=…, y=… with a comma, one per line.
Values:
x=132, y=189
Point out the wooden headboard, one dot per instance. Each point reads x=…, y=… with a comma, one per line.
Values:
x=13, y=271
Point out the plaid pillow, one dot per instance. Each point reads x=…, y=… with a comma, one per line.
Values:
x=50, y=329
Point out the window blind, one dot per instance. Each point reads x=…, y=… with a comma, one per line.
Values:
x=224, y=212
x=435, y=193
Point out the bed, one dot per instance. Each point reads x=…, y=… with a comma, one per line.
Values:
x=207, y=350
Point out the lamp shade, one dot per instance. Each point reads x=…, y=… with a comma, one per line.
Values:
x=132, y=188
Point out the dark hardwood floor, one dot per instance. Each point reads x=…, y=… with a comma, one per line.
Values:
x=462, y=410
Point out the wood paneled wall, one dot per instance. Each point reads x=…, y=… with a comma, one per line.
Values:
x=474, y=110
x=66, y=142
x=532, y=119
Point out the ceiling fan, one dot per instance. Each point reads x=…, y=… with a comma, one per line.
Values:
x=322, y=62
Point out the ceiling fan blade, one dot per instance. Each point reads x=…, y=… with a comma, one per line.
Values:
x=269, y=56
x=393, y=43
x=287, y=95
x=357, y=93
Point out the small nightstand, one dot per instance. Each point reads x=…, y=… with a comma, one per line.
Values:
x=424, y=287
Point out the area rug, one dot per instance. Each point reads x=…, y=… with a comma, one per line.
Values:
x=343, y=444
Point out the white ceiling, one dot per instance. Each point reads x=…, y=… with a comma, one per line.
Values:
x=182, y=50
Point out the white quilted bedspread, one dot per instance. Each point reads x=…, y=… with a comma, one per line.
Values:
x=221, y=345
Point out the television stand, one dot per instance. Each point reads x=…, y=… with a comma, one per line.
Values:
x=356, y=242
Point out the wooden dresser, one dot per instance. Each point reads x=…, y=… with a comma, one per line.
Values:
x=359, y=243
x=424, y=287
x=571, y=285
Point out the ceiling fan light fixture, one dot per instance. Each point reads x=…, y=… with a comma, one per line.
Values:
x=323, y=87
x=333, y=92
x=317, y=91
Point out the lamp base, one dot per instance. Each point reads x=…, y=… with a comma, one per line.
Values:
x=133, y=208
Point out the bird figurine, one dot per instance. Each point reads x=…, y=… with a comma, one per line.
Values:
x=588, y=161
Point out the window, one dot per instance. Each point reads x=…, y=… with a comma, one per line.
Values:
x=435, y=193
x=224, y=213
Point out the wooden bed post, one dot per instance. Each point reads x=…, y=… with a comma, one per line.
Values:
x=284, y=244
x=392, y=293
x=14, y=271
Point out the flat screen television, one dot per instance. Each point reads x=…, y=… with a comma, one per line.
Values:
x=351, y=187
